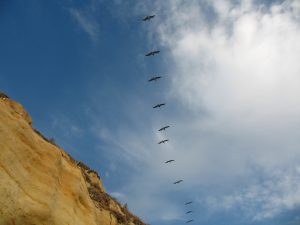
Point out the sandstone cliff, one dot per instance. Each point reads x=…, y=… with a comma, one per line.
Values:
x=40, y=184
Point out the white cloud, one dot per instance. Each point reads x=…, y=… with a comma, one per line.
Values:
x=243, y=71
x=235, y=77
x=264, y=200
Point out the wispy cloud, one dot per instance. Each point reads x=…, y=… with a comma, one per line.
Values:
x=88, y=16
x=263, y=200
x=86, y=24
x=64, y=126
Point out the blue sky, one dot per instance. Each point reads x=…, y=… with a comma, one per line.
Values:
x=230, y=80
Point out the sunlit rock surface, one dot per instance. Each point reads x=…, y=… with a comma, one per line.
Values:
x=40, y=184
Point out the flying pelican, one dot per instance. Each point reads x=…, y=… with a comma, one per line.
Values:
x=163, y=128
x=177, y=182
x=189, y=221
x=152, y=53
x=172, y=160
x=163, y=141
x=188, y=203
x=159, y=105
x=148, y=18
x=154, y=78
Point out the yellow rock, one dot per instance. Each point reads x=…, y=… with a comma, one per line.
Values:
x=40, y=184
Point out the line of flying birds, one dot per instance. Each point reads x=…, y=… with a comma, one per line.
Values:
x=154, y=79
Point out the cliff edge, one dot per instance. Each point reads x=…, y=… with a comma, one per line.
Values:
x=40, y=184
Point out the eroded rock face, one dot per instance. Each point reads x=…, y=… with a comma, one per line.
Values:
x=40, y=184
